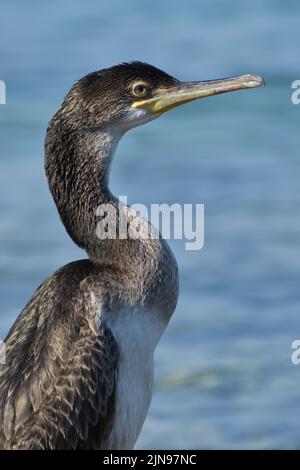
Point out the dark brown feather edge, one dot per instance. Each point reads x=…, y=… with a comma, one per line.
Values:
x=57, y=389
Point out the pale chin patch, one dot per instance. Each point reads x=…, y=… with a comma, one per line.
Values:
x=136, y=117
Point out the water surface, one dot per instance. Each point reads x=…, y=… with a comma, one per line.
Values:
x=224, y=378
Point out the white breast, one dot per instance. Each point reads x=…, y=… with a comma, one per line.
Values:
x=137, y=333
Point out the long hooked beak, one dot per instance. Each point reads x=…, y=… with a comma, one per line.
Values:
x=190, y=91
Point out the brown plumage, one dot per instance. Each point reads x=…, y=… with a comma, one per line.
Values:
x=79, y=360
x=58, y=387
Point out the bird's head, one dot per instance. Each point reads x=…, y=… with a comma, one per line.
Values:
x=131, y=94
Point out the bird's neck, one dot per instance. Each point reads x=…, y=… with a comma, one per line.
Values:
x=77, y=165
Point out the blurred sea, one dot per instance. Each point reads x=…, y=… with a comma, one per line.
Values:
x=224, y=378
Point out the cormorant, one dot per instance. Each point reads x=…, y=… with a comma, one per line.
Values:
x=79, y=358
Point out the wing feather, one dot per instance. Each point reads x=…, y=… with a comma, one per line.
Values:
x=57, y=389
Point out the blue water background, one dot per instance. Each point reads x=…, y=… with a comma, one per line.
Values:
x=224, y=378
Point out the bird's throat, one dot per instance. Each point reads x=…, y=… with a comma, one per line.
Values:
x=77, y=164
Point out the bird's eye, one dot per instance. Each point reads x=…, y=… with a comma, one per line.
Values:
x=140, y=89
